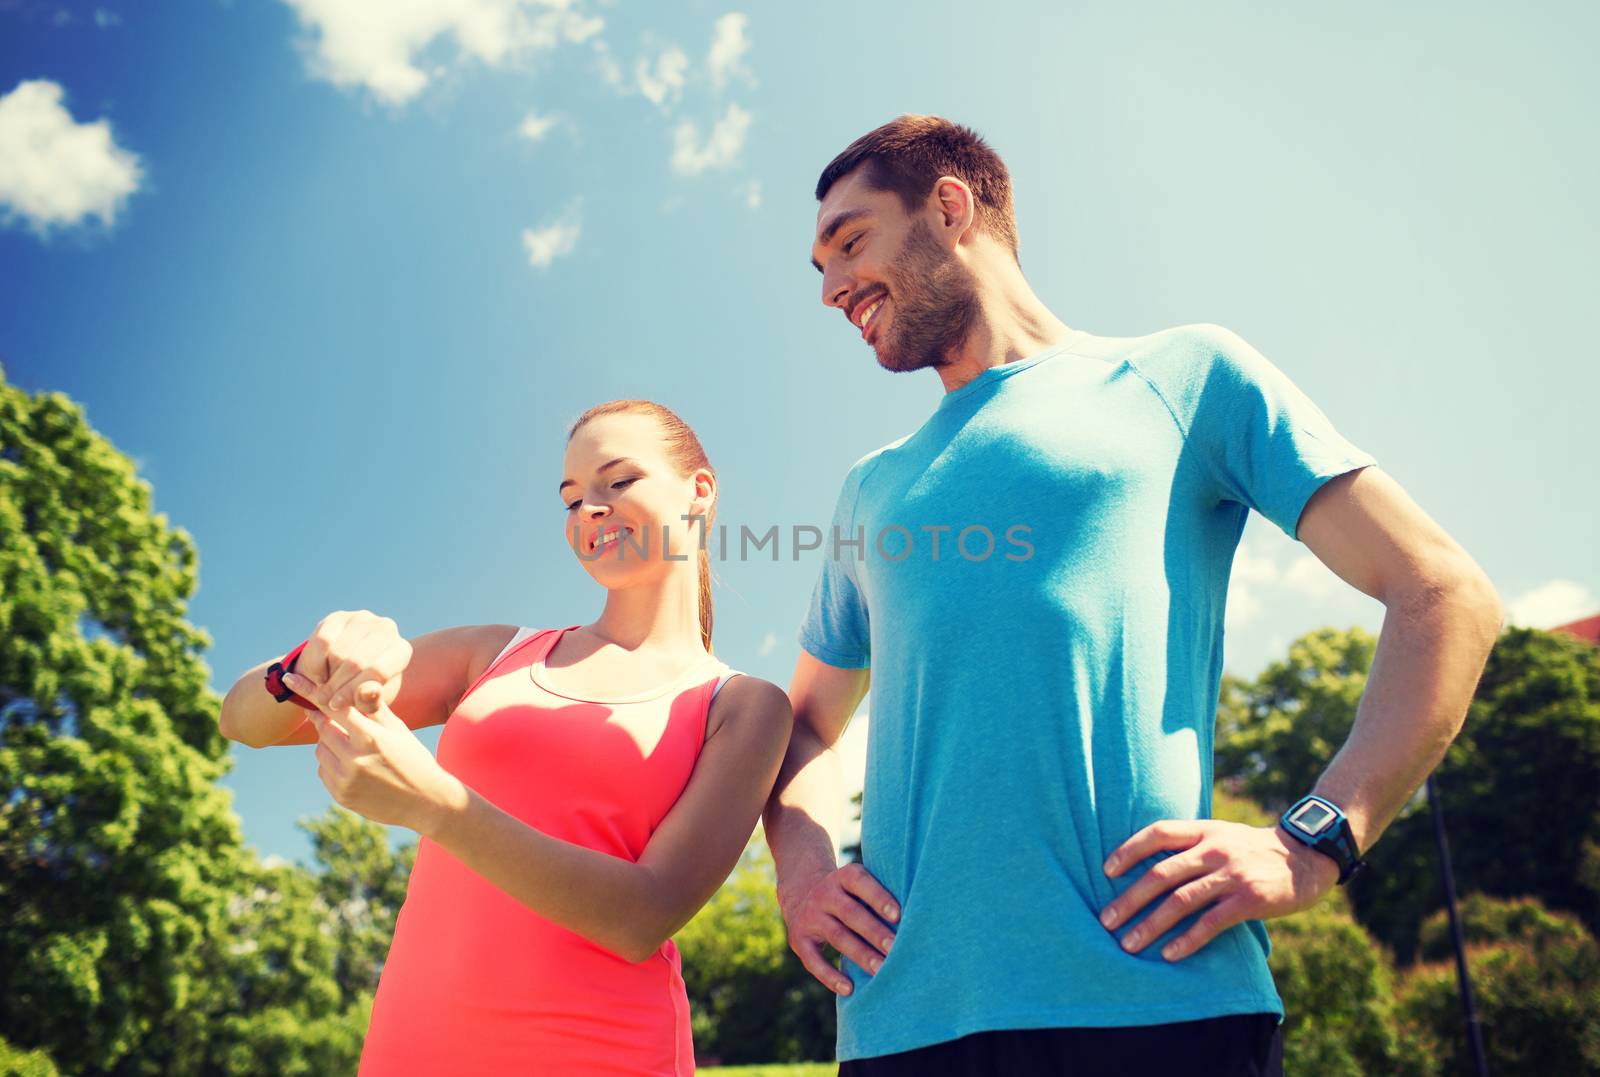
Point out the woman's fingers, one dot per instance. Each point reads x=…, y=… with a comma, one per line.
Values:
x=313, y=660
x=371, y=650
x=382, y=683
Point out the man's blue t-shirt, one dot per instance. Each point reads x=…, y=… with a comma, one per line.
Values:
x=1036, y=578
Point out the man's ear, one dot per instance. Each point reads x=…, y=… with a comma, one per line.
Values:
x=956, y=208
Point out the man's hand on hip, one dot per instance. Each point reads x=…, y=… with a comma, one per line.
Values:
x=851, y=911
x=1232, y=871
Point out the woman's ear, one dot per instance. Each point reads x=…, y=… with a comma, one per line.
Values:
x=705, y=492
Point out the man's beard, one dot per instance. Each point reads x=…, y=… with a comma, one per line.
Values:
x=935, y=304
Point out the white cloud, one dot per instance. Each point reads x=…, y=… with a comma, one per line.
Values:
x=378, y=47
x=728, y=46
x=554, y=240
x=752, y=194
x=610, y=70
x=1258, y=580
x=1308, y=576
x=1556, y=602
x=106, y=19
x=662, y=82
x=722, y=146
x=534, y=126
x=769, y=643
x=54, y=170
x=1252, y=571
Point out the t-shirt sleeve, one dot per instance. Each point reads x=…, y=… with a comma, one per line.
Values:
x=835, y=629
x=1251, y=432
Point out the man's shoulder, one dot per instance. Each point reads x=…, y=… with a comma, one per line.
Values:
x=1185, y=345
x=862, y=467
x=1185, y=363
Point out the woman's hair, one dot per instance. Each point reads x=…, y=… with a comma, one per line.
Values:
x=687, y=455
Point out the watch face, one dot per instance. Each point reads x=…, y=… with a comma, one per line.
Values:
x=1312, y=817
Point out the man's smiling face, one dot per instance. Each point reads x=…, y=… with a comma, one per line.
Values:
x=903, y=290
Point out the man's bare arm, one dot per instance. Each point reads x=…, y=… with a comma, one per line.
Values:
x=1441, y=619
x=823, y=903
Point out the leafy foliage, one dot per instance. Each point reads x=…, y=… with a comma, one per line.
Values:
x=117, y=848
x=140, y=936
x=1517, y=786
x=1536, y=982
x=750, y=999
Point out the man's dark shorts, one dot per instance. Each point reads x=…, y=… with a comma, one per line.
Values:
x=1244, y=1045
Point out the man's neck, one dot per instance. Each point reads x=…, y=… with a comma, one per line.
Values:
x=1012, y=324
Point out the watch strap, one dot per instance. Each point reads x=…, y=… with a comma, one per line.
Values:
x=1337, y=842
x=1343, y=841
x=274, y=679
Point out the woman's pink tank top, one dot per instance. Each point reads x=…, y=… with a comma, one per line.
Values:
x=476, y=983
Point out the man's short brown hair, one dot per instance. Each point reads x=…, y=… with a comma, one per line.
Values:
x=908, y=155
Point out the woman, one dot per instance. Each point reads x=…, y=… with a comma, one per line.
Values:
x=594, y=784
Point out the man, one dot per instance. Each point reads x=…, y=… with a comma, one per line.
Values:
x=1042, y=889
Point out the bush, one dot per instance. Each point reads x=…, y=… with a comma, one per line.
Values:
x=750, y=999
x=1337, y=985
x=1536, y=981
x=15, y=1062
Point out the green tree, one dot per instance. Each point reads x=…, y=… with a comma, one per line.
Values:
x=1518, y=792
x=362, y=884
x=117, y=848
x=285, y=1011
x=18, y=1063
x=750, y=999
x=1276, y=734
x=1517, y=785
x=1536, y=982
x=139, y=935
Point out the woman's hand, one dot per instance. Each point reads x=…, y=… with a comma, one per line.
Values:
x=376, y=767
x=354, y=658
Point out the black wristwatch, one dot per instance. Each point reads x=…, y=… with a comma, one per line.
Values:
x=1320, y=824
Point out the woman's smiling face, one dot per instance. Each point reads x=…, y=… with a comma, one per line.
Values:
x=624, y=500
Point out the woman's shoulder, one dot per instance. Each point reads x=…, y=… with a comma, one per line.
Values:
x=749, y=700
x=483, y=646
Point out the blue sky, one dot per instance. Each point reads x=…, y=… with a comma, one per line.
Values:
x=297, y=248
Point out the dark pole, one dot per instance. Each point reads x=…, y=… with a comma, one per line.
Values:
x=1474, y=1030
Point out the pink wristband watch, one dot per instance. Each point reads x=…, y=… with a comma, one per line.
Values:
x=274, y=679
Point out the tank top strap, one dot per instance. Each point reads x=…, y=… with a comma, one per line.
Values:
x=722, y=680
x=518, y=641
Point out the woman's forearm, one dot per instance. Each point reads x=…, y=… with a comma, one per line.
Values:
x=609, y=901
x=251, y=716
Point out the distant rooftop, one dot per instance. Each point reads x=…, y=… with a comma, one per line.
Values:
x=1586, y=629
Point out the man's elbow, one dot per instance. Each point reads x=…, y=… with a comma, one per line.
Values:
x=1460, y=591
x=1482, y=602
